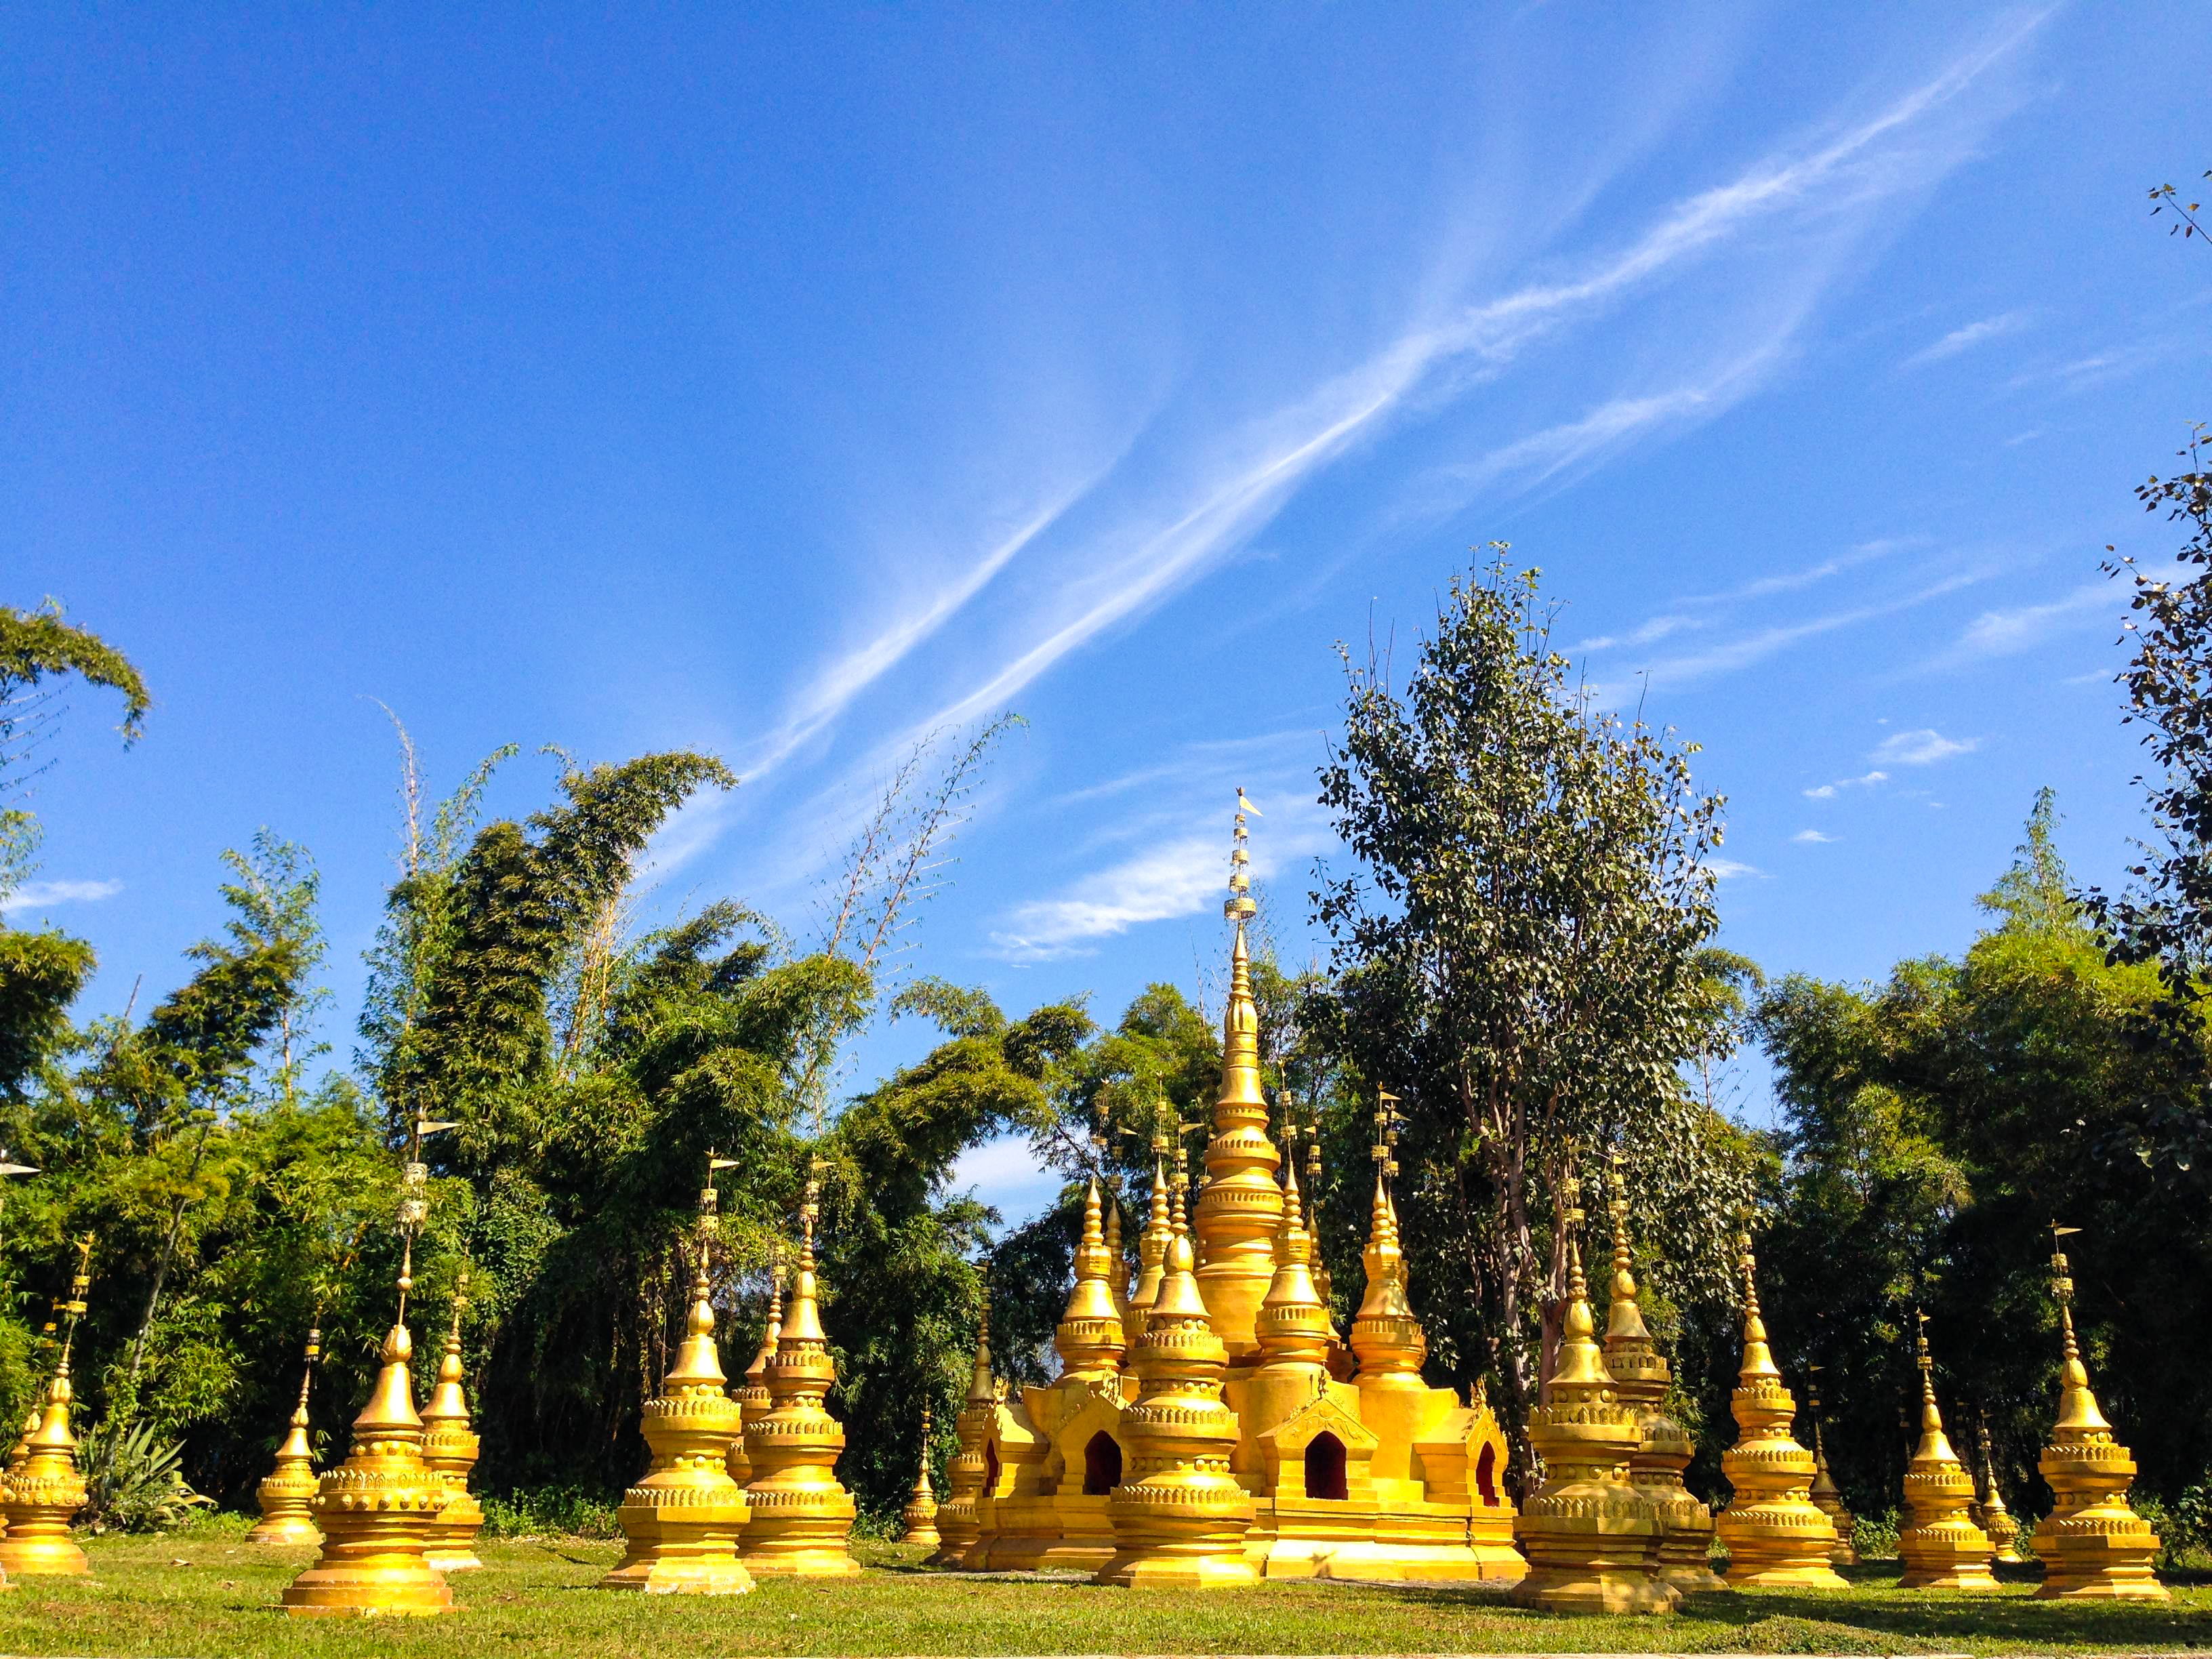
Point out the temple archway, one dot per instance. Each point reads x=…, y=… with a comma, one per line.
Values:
x=1102, y=1465
x=1325, y=1467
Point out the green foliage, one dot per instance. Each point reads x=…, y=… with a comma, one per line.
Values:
x=37, y=647
x=549, y=1511
x=134, y=1483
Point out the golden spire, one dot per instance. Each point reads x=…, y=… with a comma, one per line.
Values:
x=1943, y=1549
x=682, y=1521
x=2093, y=1544
x=1117, y=1267
x=1292, y=1327
x=283, y=1494
x=959, y=1522
x=1089, y=1337
x=1994, y=1517
x=45, y=1489
x=1827, y=1497
x=1240, y=1206
x=752, y=1396
x=1152, y=1246
x=1624, y=1332
x=450, y=1445
x=982, y=1387
x=1387, y=1340
x=921, y=1512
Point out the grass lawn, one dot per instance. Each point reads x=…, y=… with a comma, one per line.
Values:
x=209, y=1593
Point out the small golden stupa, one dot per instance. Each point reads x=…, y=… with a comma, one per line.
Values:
x=378, y=1510
x=801, y=1517
x=286, y=1495
x=450, y=1445
x=2092, y=1545
x=1641, y=1376
x=1943, y=1549
x=1990, y=1514
x=959, y=1525
x=920, y=1515
x=753, y=1395
x=1827, y=1497
x=1771, y=1529
x=46, y=1490
x=1179, y=1517
x=1592, y=1538
x=683, y=1519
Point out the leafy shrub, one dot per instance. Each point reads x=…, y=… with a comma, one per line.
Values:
x=537, y=1512
x=1874, y=1536
x=132, y=1481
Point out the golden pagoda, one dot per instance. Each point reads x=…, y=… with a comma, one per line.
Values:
x=919, y=1518
x=449, y=1447
x=801, y=1517
x=752, y=1397
x=1990, y=1514
x=1773, y=1533
x=2092, y=1545
x=959, y=1525
x=1640, y=1376
x=1592, y=1539
x=378, y=1510
x=1943, y=1549
x=683, y=1519
x=285, y=1496
x=46, y=1490
x=1352, y=1465
x=1179, y=1519
x=1827, y=1497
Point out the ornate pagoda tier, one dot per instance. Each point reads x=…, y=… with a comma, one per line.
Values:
x=1772, y=1531
x=376, y=1509
x=682, y=1520
x=1943, y=1549
x=450, y=1445
x=1592, y=1538
x=801, y=1517
x=1641, y=1377
x=286, y=1494
x=1826, y=1497
x=44, y=1492
x=1179, y=1517
x=2092, y=1545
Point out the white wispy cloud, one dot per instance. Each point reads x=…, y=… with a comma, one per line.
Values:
x=1921, y=748
x=1181, y=878
x=1733, y=869
x=1830, y=791
x=1657, y=629
x=37, y=895
x=2000, y=633
x=1790, y=582
x=1964, y=339
x=1811, y=838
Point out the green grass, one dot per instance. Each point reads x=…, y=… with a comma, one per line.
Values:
x=210, y=1593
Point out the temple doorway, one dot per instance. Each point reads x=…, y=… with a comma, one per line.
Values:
x=1102, y=1465
x=1325, y=1467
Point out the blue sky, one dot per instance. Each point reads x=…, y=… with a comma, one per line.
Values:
x=792, y=385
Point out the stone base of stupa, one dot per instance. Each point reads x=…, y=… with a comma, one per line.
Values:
x=371, y=1586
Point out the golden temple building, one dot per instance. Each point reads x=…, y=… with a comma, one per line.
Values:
x=1311, y=1462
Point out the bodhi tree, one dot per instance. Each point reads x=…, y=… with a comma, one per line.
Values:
x=1520, y=955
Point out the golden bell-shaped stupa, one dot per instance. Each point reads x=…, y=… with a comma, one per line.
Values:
x=450, y=1445
x=2092, y=1545
x=1179, y=1516
x=285, y=1497
x=1827, y=1496
x=1990, y=1514
x=1640, y=1376
x=1943, y=1549
x=379, y=1508
x=683, y=1519
x=959, y=1525
x=919, y=1518
x=752, y=1396
x=1089, y=1337
x=1772, y=1531
x=1592, y=1538
x=46, y=1490
x=801, y=1517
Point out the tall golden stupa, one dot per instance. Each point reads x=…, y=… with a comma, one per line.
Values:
x=45, y=1489
x=918, y=1520
x=800, y=1517
x=1641, y=1376
x=1592, y=1539
x=2092, y=1545
x=286, y=1495
x=1351, y=1465
x=1943, y=1549
x=1990, y=1514
x=1772, y=1531
x=683, y=1519
x=378, y=1510
x=450, y=1445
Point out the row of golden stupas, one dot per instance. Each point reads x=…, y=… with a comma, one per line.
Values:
x=1209, y=1428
